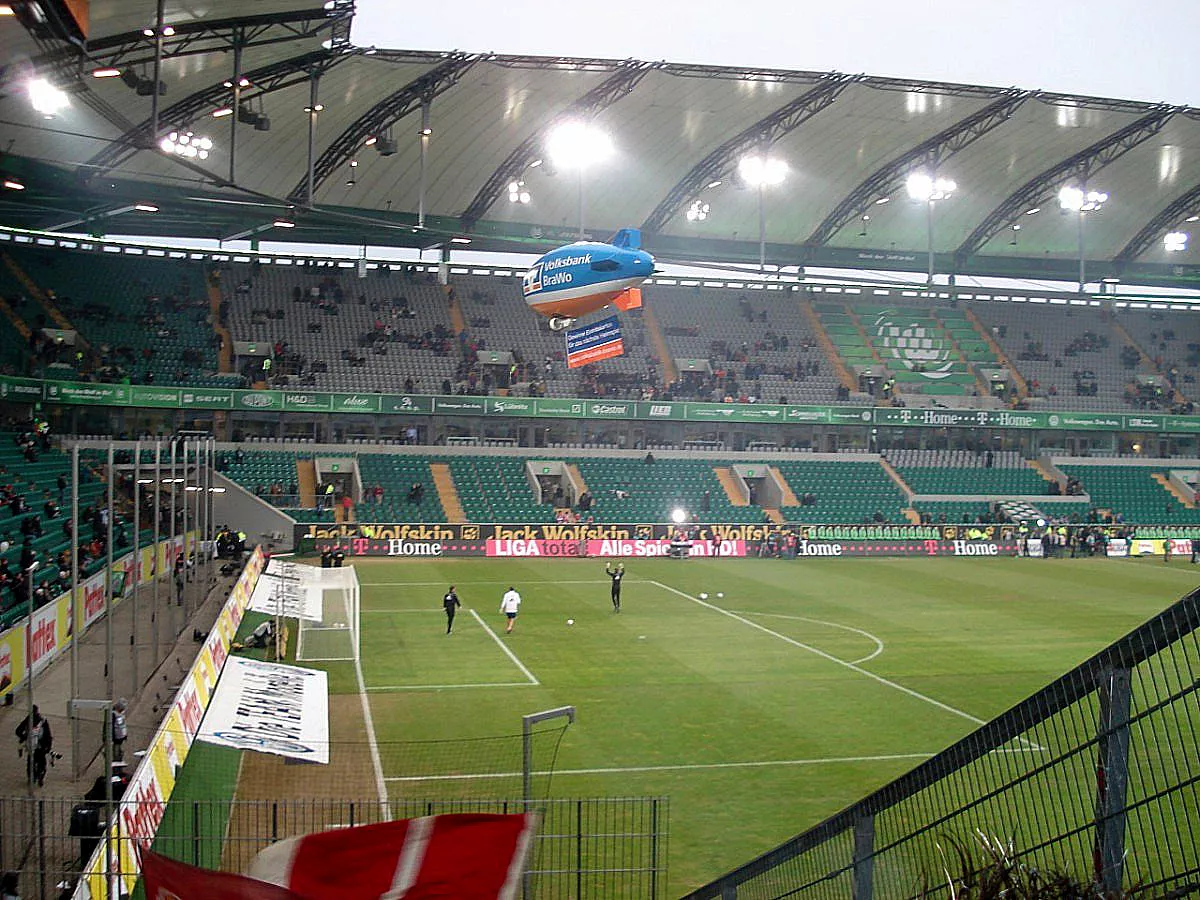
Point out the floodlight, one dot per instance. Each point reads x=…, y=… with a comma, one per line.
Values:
x=678, y=515
x=46, y=98
x=145, y=207
x=13, y=185
x=577, y=145
x=1070, y=198
x=222, y=112
x=698, y=211
x=923, y=187
x=757, y=171
x=106, y=73
x=1175, y=241
x=283, y=223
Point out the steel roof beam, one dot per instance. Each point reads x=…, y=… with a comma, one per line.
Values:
x=202, y=36
x=1081, y=166
x=618, y=85
x=718, y=164
x=1181, y=208
x=383, y=115
x=265, y=80
x=929, y=154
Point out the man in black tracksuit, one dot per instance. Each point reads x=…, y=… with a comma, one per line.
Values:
x=450, y=604
x=616, y=575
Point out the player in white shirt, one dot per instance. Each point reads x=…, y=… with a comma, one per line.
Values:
x=510, y=605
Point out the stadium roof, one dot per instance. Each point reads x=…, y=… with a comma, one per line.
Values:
x=849, y=142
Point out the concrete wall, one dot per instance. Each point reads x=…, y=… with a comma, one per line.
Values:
x=242, y=511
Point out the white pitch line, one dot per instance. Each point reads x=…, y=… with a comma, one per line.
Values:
x=821, y=653
x=504, y=647
x=379, y=689
x=376, y=762
x=687, y=767
x=505, y=581
x=878, y=643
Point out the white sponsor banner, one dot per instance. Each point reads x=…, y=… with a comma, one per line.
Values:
x=1034, y=548
x=270, y=708
x=281, y=568
x=1117, y=547
x=292, y=599
x=1143, y=548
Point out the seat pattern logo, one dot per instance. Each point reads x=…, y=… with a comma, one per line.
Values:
x=912, y=344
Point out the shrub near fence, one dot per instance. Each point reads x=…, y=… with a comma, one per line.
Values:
x=1094, y=776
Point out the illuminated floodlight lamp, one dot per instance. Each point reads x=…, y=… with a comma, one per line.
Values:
x=1175, y=241
x=926, y=188
x=108, y=72
x=517, y=192
x=46, y=98
x=283, y=223
x=187, y=144
x=760, y=171
x=460, y=240
x=698, y=211
x=1076, y=199
x=145, y=207
x=13, y=185
x=578, y=145
x=679, y=515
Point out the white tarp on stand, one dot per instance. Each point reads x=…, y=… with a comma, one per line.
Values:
x=292, y=598
x=270, y=708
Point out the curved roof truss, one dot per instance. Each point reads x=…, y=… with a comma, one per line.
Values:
x=1182, y=207
x=717, y=164
x=928, y=154
x=1082, y=165
x=382, y=116
x=602, y=96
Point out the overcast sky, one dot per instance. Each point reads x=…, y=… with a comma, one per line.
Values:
x=1127, y=49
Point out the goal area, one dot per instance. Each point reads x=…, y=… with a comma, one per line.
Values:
x=335, y=635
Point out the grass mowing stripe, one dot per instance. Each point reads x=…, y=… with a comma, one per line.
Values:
x=388, y=688
x=495, y=637
x=829, y=656
x=505, y=581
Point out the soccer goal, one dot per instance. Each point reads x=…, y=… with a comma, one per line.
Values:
x=334, y=635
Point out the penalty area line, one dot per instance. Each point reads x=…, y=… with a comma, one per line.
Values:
x=499, y=643
x=841, y=662
x=386, y=688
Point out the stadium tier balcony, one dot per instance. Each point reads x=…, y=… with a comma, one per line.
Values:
x=760, y=340
x=146, y=319
x=1133, y=492
x=967, y=472
x=851, y=491
x=1070, y=357
x=387, y=333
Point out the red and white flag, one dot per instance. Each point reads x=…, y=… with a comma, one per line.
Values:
x=463, y=856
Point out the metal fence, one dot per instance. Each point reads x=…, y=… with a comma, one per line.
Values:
x=585, y=848
x=1094, y=776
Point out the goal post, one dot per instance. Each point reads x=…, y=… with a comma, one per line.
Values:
x=335, y=635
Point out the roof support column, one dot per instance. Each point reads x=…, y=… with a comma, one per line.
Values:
x=314, y=80
x=237, y=105
x=423, y=137
x=159, y=17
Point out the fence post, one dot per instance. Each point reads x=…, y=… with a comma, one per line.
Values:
x=195, y=832
x=654, y=848
x=1112, y=778
x=578, y=848
x=864, y=857
x=42, y=873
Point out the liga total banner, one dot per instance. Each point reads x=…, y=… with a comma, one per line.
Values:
x=594, y=342
x=145, y=801
x=270, y=708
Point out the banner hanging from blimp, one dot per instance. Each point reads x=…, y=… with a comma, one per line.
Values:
x=594, y=342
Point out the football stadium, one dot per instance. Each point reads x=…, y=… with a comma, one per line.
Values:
x=435, y=473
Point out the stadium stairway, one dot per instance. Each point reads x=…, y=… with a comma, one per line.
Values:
x=1120, y=331
x=577, y=477
x=862, y=333
x=654, y=332
x=786, y=494
x=225, y=359
x=447, y=492
x=912, y=515
x=814, y=322
x=1001, y=356
x=895, y=476
x=773, y=513
x=1184, y=497
x=306, y=480
x=981, y=385
x=1045, y=471
x=730, y=484
x=457, y=320
x=17, y=322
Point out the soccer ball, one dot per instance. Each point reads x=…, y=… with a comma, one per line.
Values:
x=704, y=596
x=570, y=621
x=720, y=596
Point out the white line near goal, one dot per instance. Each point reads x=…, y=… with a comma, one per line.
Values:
x=503, y=646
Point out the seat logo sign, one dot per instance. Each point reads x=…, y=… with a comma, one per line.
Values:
x=913, y=345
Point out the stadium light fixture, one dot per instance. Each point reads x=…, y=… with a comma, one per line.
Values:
x=1033, y=211
x=517, y=192
x=283, y=223
x=1192, y=219
x=713, y=184
x=187, y=144
x=46, y=98
x=1077, y=199
x=927, y=188
x=883, y=200
x=460, y=240
x=578, y=145
x=6, y=10
x=1175, y=241
x=222, y=112
x=679, y=515
x=106, y=73
x=145, y=207
x=13, y=185
x=698, y=211
x=757, y=171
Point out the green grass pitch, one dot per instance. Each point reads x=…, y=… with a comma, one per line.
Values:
x=759, y=712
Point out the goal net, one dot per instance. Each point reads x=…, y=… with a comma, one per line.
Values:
x=334, y=635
